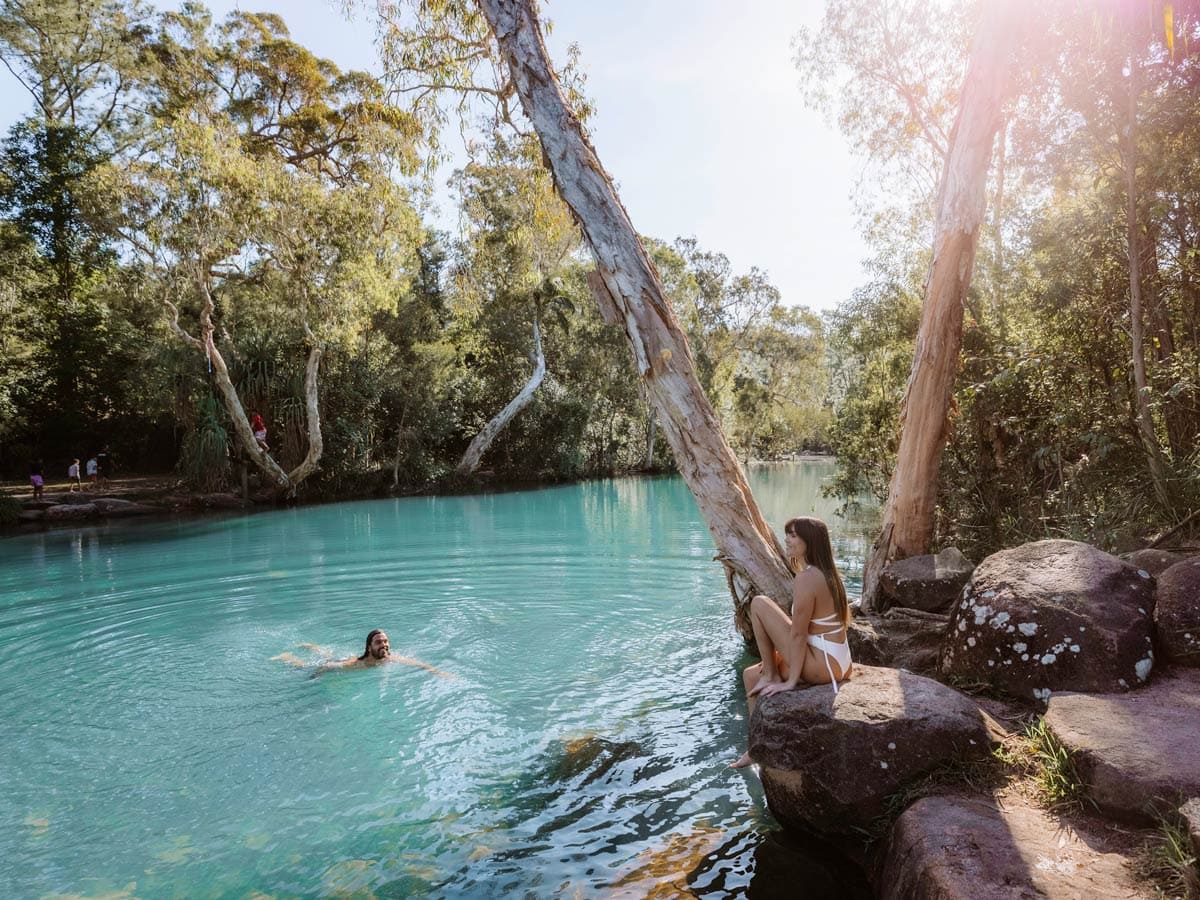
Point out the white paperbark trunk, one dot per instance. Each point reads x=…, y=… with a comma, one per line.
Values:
x=924, y=413
x=1145, y=422
x=483, y=440
x=629, y=292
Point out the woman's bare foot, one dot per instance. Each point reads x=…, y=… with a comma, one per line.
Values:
x=742, y=761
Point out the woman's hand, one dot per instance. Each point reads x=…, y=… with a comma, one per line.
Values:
x=763, y=682
x=774, y=687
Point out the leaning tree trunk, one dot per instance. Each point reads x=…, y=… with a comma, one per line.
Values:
x=924, y=413
x=483, y=440
x=628, y=290
x=285, y=482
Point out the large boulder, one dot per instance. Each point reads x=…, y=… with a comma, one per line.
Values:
x=1138, y=754
x=1177, y=612
x=957, y=847
x=1153, y=561
x=69, y=512
x=830, y=762
x=1052, y=616
x=931, y=582
x=899, y=638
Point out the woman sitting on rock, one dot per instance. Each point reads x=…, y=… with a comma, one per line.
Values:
x=810, y=647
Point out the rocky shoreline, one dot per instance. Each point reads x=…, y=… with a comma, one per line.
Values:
x=1026, y=728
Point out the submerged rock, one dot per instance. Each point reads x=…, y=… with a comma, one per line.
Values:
x=1177, y=613
x=1052, y=616
x=956, y=847
x=831, y=762
x=1138, y=754
x=930, y=582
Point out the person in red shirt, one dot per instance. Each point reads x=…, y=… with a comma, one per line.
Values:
x=259, y=427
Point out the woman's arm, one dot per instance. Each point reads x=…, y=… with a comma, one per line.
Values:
x=804, y=600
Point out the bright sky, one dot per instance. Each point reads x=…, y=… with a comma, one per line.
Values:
x=699, y=120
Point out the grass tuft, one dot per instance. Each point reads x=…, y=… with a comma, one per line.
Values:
x=1055, y=772
x=1168, y=862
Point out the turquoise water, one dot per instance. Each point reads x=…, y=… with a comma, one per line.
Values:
x=152, y=747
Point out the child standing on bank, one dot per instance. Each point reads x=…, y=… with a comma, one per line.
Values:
x=73, y=477
x=91, y=472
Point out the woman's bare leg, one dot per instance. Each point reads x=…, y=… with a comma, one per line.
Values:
x=772, y=629
x=772, y=632
x=750, y=677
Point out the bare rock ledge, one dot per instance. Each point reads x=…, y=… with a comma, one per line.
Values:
x=957, y=847
x=830, y=763
x=1137, y=753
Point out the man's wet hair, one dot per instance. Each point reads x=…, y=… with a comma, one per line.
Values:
x=367, y=649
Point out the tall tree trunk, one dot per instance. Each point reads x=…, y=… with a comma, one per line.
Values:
x=629, y=292
x=998, y=229
x=1127, y=142
x=924, y=413
x=312, y=414
x=483, y=440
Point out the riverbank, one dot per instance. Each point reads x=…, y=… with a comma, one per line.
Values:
x=157, y=494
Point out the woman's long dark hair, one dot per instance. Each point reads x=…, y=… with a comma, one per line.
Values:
x=367, y=649
x=819, y=553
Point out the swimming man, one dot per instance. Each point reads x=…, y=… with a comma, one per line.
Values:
x=378, y=650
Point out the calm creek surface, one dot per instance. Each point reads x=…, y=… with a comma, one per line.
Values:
x=150, y=745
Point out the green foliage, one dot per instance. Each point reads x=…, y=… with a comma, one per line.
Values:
x=10, y=510
x=204, y=457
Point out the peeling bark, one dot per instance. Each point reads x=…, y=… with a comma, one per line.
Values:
x=630, y=294
x=483, y=440
x=925, y=410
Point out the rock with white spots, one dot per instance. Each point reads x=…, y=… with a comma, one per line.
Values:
x=1177, y=613
x=1153, y=561
x=954, y=847
x=829, y=763
x=113, y=507
x=1138, y=754
x=930, y=582
x=1052, y=616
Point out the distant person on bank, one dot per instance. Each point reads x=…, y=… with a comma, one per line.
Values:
x=259, y=427
x=810, y=646
x=378, y=650
x=91, y=471
x=37, y=479
x=73, y=477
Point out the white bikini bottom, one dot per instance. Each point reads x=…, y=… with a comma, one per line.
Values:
x=839, y=650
